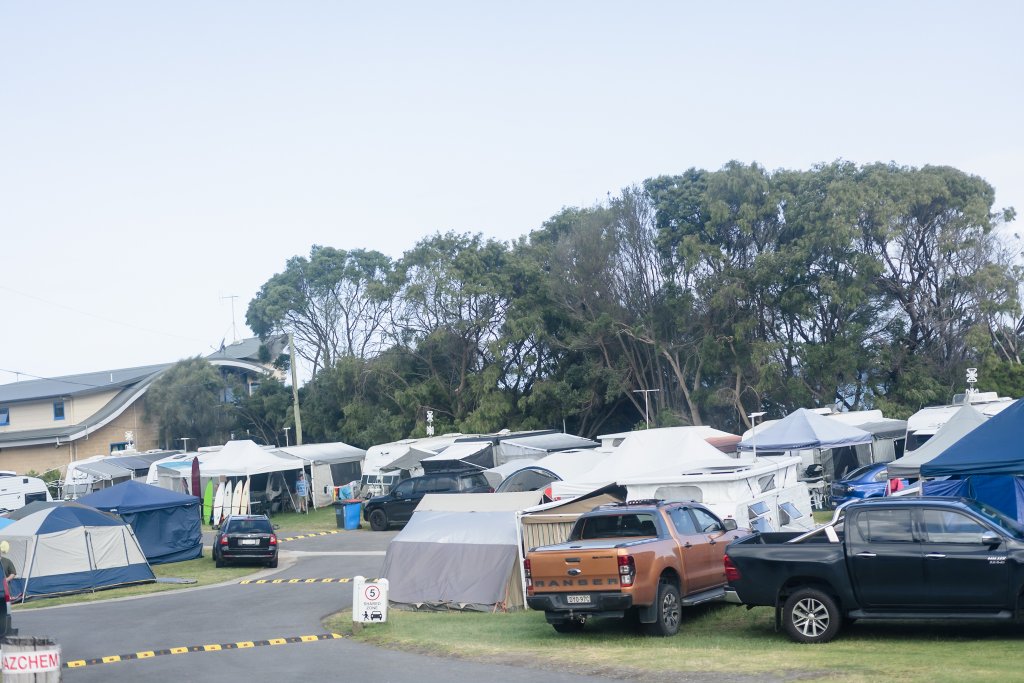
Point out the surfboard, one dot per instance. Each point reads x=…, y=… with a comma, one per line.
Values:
x=245, y=498
x=208, y=502
x=236, y=499
x=218, y=503
x=227, y=499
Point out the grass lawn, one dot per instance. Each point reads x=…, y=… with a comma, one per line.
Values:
x=722, y=639
x=202, y=570
x=322, y=519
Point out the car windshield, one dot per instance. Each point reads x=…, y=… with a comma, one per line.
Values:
x=1008, y=524
x=859, y=472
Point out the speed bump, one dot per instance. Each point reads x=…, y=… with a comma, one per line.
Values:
x=272, y=582
x=213, y=647
x=312, y=535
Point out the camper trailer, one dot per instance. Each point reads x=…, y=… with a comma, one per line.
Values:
x=378, y=478
x=17, y=491
x=923, y=424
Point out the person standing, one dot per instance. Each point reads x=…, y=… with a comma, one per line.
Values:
x=301, y=490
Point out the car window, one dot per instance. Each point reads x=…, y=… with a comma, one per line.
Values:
x=885, y=526
x=997, y=518
x=948, y=526
x=706, y=522
x=249, y=526
x=442, y=484
x=880, y=476
x=618, y=526
x=405, y=488
x=469, y=481
x=859, y=472
x=683, y=522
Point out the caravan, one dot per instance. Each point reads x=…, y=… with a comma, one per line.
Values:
x=17, y=491
x=923, y=424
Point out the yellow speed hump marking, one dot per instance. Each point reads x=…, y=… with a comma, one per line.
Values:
x=277, y=582
x=311, y=535
x=213, y=647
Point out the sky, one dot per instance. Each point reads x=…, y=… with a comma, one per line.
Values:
x=160, y=161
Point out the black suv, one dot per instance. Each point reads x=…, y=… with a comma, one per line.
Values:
x=246, y=537
x=396, y=506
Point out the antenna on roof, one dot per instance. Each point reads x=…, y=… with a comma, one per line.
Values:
x=234, y=332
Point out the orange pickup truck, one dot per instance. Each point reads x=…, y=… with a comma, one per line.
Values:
x=648, y=558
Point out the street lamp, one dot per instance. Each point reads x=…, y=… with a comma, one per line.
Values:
x=286, y=436
x=753, y=431
x=185, y=440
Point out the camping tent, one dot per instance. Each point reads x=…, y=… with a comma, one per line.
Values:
x=992, y=448
x=166, y=523
x=964, y=421
x=804, y=429
x=496, y=475
x=73, y=548
x=986, y=464
x=460, y=552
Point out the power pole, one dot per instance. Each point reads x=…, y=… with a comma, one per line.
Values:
x=295, y=390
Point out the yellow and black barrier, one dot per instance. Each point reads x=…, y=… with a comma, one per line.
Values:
x=312, y=535
x=242, y=645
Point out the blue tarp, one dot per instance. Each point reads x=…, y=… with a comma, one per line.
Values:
x=166, y=523
x=994, y=447
x=1003, y=492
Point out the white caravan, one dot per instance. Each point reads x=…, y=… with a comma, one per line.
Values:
x=375, y=481
x=17, y=491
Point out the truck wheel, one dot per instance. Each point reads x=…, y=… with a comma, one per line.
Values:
x=378, y=520
x=811, y=616
x=667, y=623
x=572, y=626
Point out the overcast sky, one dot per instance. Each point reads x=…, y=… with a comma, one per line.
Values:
x=159, y=157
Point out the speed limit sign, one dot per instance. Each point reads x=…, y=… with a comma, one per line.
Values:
x=369, y=600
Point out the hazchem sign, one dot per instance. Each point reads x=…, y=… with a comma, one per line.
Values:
x=369, y=599
x=36, y=661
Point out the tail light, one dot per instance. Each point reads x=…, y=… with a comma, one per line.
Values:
x=529, y=576
x=732, y=574
x=627, y=570
x=273, y=539
x=223, y=540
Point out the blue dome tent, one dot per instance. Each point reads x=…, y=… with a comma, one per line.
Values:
x=166, y=523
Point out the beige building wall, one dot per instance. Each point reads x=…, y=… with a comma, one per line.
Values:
x=39, y=414
x=50, y=456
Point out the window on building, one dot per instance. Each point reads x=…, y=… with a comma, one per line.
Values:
x=5, y=416
x=118, y=446
x=58, y=410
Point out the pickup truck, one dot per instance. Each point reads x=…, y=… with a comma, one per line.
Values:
x=884, y=558
x=644, y=558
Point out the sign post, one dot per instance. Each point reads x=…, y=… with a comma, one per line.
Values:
x=369, y=601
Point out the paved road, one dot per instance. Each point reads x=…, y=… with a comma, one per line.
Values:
x=233, y=613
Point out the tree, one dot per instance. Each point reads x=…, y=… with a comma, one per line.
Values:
x=191, y=399
x=264, y=415
x=335, y=302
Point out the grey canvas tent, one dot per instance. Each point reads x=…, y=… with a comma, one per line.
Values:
x=803, y=430
x=963, y=422
x=460, y=552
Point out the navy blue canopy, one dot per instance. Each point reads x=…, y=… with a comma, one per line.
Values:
x=166, y=524
x=994, y=447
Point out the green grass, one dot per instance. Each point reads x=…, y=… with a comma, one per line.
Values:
x=202, y=570
x=724, y=639
x=322, y=519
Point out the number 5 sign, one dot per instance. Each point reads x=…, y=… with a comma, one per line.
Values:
x=369, y=600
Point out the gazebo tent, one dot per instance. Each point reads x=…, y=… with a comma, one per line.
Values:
x=802, y=430
x=330, y=465
x=987, y=464
x=73, y=548
x=963, y=422
x=166, y=523
x=460, y=552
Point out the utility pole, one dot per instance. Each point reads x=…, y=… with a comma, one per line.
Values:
x=234, y=332
x=647, y=407
x=295, y=390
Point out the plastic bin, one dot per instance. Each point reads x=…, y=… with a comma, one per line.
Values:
x=353, y=508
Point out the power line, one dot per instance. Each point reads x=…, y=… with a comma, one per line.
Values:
x=99, y=317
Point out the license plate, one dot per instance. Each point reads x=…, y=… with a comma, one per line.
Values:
x=249, y=541
x=578, y=599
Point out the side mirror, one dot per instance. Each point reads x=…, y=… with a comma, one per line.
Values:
x=396, y=494
x=991, y=539
x=729, y=524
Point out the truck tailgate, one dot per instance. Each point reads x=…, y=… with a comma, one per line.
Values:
x=571, y=570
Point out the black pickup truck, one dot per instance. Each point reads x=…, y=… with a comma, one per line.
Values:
x=884, y=558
